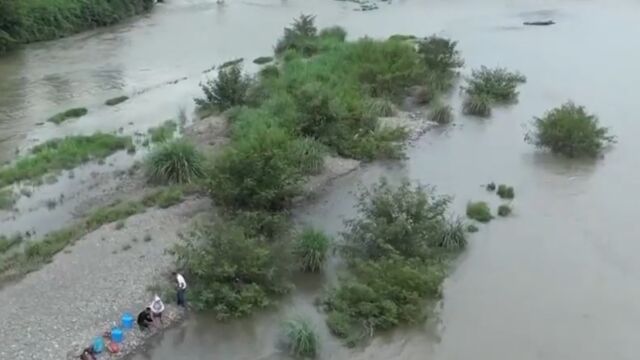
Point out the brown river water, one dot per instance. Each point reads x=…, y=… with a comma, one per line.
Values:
x=558, y=280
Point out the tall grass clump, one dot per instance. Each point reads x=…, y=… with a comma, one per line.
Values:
x=397, y=251
x=177, y=162
x=228, y=89
x=441, y=113
x=232, y=273
x=300, y=338
x=499, y=85
x=61, y=154
x=477, y=105
x=571, y=131
x=479, y=211
x=68, y=114
x=311, y=249
x=380, y=107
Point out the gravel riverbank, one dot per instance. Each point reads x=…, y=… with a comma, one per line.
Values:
x=88, y=287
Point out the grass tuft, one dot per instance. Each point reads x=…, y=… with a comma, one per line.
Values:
x=164, y=132
x=477, y=105
x=310, y=249
x=177, y=162
x=300, y=338
x=441, y=113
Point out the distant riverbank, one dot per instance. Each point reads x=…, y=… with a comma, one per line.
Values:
x=27, y=21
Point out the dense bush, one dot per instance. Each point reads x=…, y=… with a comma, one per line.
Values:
x=571, y=131
x=479, y=211
x=300, y=338
x=260, y=171
x=176, y=162
x=498, y=85
x=232, y=273
x=228, y=89
x=311, y=249
x=299, y=37
x=442, y=59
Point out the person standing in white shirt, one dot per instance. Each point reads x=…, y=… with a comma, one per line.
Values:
x=182, y=287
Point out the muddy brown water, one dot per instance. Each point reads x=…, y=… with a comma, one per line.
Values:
x=557, y=280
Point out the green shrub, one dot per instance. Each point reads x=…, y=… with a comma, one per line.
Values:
x=477, y=105
x=163, y=132
x=309, y=155
x=263, y=60
x=228, y=89
x=334, y=32
x=61, y=154
x=69, y=114
x=406, y=221
x=300, y=338
x=571, y=131
x=479, y=211
x=441, y=113
x=504, y=210
x=261, y=171
x=441, y=59
x=299, y=37
x=177, y=162
x=311, y=249
x=261, y=224
x=506, y=192
x=498, y=85
x=116, y=100
x=232, y=274
x=491, y=186
x=381, y=295
x=269, y=71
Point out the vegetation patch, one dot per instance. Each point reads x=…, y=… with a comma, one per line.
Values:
x=7, y=243
x=311, y=249
x=504, y=210
x=263, y=60
x=442, y=60
x=69, y=114
x=230, y=63
x=60, y=154
x=499, y=85
x=227, y=90
x=477, y=105
x=441, y=113
x=471, y=228
x=116, y=100
x=177, y=162
x=506, y=192
x=491, y=186
x=7, y=199
x=479, y=211
x=300, y=339
x=164, y=132
x=397, y=251
x=164, y=198
x=402, y=37
x=247, y=276
x=571, y=131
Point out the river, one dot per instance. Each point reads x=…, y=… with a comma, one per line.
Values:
x=557, y=280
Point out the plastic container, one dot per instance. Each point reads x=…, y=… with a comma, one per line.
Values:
x=127, y=321
x=116, y=335
x=98, y=345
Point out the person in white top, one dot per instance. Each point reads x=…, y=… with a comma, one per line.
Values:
x=157, y=307
x=182, y=287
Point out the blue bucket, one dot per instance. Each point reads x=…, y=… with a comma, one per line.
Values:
x=98, y=345
x=116, y=335
x=127, y=321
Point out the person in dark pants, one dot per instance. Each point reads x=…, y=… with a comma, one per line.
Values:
x=145, y=319
x=181, y=289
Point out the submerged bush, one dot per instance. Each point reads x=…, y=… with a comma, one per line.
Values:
x=69, y=114
x=504, y=210
x=116, y=100
x=498, y=85
x=479, y=211
x=405, y=220
x=176, y=162
x=441, y=113
x=506, y=192
x=477, y=105
x=263, y=60
x=311, y=249
x=228, y=89
x=232, y=274
x=571, y=131
x=300, y=338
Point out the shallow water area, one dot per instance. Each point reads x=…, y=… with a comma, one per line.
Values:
x=556, y=280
